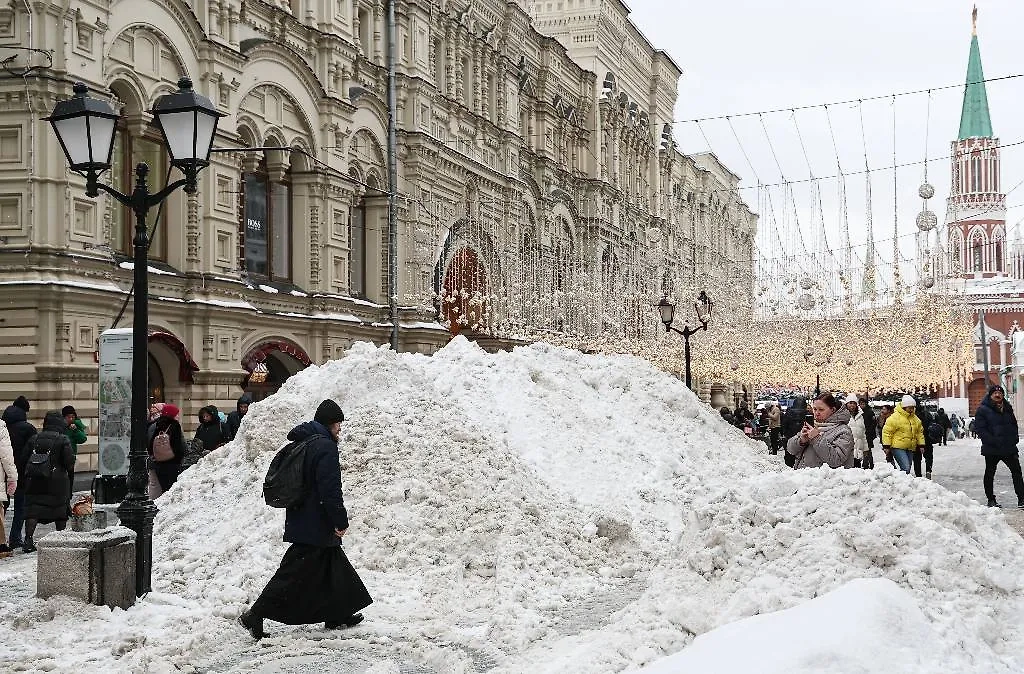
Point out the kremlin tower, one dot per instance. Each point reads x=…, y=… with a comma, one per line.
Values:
x=979, y=262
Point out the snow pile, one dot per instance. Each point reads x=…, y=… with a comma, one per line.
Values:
x=544, y=511
x=852, y=629
x=496, y=489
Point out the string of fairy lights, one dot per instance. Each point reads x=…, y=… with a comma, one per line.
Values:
x=803, y=300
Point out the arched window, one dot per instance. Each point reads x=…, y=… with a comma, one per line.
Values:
x=129, y=151
x=979, y=260
x=999, y=255
x=268, y=225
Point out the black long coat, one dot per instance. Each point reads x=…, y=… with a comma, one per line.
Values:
x=997, y=430
x=49, y=500
x=314, y=520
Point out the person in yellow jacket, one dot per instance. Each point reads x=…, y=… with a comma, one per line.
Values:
x=903, y=433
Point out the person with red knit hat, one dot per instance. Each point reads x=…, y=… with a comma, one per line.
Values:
x=166, y=445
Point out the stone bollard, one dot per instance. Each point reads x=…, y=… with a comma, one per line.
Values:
x=96, y=566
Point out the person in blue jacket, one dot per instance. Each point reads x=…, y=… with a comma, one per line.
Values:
x=315, y=582
x=996, y=425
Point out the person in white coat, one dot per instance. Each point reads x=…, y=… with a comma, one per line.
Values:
x=8, y=483
x=862, y=457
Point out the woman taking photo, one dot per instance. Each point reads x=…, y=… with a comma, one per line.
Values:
x=828, y=442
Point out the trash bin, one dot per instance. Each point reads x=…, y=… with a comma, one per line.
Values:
x=109, y=488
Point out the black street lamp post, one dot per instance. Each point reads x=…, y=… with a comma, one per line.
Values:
x=703, y=308
x=85, y=128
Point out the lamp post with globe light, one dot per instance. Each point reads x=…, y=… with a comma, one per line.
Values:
x=703, y=308
x=85, y=128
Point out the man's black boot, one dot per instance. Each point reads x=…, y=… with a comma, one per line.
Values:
x=252, y=624
x=350, y=621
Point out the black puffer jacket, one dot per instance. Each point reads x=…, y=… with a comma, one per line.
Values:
x=213, y=433
x=21, y=431
x=49, y=500
x=997, y=429
x=235, y=418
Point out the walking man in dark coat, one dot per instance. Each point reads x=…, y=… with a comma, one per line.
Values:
x=996, y=425
x=21, y=431
x=315, y=582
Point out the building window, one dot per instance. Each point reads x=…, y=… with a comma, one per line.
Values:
x=128, y=152
x=467, y=82
x=268, y=226
x=976, y=172
x=365, y=32
x=439, y=65
x=999, y=256
x=978, y=256
x=357, y=249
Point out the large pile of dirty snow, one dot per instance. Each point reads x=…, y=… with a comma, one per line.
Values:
x=544, y=511
x=484, y=489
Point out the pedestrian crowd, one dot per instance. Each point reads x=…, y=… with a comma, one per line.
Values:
x=843, y=434
x=37, y=467
x=37, y=471
x=170, y=454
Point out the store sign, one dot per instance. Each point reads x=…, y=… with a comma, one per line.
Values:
x=115, y=410
x=256, y=224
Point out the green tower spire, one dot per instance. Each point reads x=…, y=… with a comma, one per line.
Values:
x=974, y=119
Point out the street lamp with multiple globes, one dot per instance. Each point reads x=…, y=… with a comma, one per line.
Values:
x=85, y=128
x=703, y=308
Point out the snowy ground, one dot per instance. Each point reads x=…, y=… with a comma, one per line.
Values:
x=547, y=511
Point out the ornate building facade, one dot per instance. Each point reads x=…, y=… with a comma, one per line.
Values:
x=534, y=194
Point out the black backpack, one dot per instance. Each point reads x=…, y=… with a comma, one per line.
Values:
x=284, y=486
x=935, y=432
x=39, y=464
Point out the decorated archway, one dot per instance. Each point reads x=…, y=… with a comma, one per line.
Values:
x=464, y=294
x=269, y=364
x=186, y=365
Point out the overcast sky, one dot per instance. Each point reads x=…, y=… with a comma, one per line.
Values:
x=742, y=56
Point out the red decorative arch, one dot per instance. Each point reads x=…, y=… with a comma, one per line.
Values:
x=259, y=353
x=186, y=365
x=465, y=277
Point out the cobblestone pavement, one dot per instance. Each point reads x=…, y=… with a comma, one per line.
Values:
x=959, y=466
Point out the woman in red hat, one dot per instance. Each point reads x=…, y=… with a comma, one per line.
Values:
x=166, y=445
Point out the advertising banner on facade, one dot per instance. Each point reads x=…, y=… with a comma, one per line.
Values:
x=115, y=401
